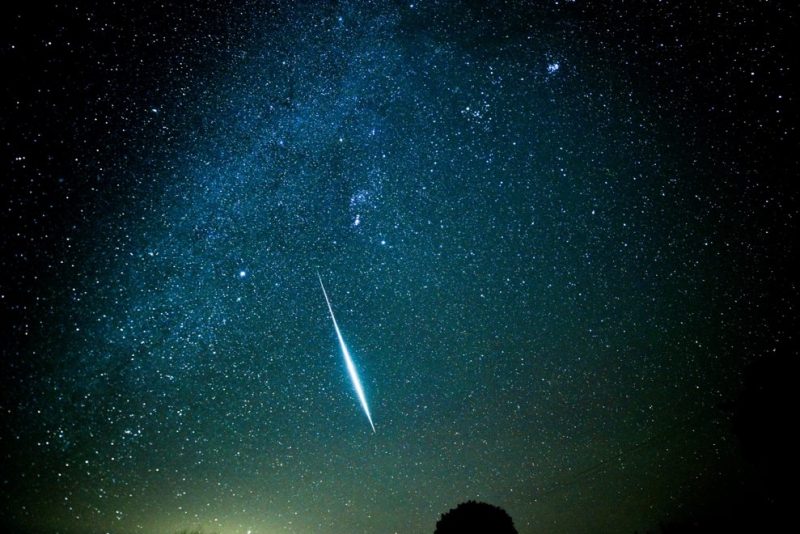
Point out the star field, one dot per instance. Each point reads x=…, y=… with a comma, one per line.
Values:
x=555, y=235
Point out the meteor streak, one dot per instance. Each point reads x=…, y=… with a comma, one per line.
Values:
x=351, y=368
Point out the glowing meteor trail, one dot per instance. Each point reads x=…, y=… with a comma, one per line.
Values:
x=351, y=368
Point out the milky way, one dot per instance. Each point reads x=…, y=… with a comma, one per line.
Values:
x=560, y=233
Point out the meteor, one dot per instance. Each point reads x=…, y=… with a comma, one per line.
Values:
x=348, y=360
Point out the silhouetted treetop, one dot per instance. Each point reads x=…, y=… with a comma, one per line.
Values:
x=475, y=517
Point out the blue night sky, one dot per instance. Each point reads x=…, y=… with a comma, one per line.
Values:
x=555, y=235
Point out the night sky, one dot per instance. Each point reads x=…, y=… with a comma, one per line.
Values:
x=555, y=236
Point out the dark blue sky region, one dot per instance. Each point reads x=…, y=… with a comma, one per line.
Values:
x=554, y=234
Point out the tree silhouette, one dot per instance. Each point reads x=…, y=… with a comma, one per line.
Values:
x=477, y=517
